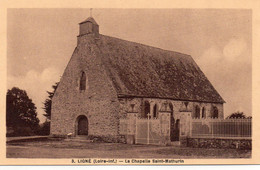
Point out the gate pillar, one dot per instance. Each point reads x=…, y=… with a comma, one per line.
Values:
x=185, y=127
x=131, y=128
x=165, y=127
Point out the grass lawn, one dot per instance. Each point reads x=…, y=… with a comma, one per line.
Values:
x=75, y=149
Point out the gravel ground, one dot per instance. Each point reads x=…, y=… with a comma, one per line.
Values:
x=75, y=149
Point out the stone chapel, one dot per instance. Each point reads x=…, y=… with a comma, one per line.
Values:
x=108, y=78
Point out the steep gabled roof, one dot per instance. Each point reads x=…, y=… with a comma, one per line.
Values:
x=89, y=19
x=138, y=70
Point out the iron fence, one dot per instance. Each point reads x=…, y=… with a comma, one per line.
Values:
x=221, y=128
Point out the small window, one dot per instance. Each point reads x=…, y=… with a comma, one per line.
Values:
x=197, y=112
x=214, y=112
x=155, y=111
x=82, y=85
x=203, y=113
x=146, y=109
x=171, y=108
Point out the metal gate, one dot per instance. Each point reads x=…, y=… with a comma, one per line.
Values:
x=148, y=131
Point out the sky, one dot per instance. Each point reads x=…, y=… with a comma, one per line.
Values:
x=40, y=43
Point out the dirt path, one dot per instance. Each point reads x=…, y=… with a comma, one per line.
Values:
x=23, y=138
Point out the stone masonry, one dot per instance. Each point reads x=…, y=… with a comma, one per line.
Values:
x=110, y=92
x=98, y=102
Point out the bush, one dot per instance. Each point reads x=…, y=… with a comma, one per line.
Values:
x=21, y=131
x=44, y=129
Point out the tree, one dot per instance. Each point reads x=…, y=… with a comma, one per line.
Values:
x=48, y=102
x=238, y=115
x=44, y=128
x=21, y=112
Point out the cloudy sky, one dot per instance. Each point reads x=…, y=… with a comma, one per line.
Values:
x=40, y=43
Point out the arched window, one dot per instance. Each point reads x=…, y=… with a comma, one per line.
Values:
x=214, y=113
x=197, y=112
x=177, y=130
x=171, y=108
x=172, y=124
x=82, y=85
x=132, y=106
x=146, y=109
x=155, y=111
x=203, y=113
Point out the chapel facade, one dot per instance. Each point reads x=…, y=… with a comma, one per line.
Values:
x=108, y=79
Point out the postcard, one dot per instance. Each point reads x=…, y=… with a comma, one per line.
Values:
x=142, y=85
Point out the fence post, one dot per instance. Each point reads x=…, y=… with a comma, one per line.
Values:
x=239, y=127
x=148, y=129
x=212, y=128
x=136, y=127
x=190, y=126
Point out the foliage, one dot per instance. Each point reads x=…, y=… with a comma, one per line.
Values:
x=21, y=131
x=237, y=115
x=44, y=129
x=21, y=115
x=48, y=102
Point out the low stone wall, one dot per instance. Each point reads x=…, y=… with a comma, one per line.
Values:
x=183, y=140
x=99, y=138
x=108, y=139
x=219, y=143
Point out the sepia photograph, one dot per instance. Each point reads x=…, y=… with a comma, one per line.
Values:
x=129, y=86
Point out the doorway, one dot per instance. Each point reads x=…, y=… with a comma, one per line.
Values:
x=82, y=125
x=174, y=126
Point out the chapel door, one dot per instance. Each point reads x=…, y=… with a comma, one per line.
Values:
x=175, y=129
x=83, y=126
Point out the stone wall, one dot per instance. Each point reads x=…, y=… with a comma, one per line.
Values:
x=182, y=110
x=208, y=109
x=98, y=102
x=136, y=105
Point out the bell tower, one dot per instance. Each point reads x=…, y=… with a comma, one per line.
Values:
x=89, y=26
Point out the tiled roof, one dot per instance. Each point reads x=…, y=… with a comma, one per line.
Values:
x=138, y=70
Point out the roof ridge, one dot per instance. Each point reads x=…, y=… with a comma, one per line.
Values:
x=89, y=19
x=145, y=45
